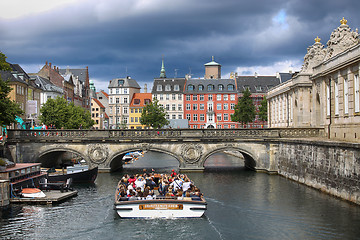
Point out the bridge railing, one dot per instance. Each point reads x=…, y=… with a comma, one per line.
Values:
x=148, y=134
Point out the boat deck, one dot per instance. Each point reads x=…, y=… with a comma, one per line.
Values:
x=52, y=197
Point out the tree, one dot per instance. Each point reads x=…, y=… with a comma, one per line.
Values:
x=244, y=109
x=263, y=110
x=153, y=115
x=8, y=109
x=65, y=115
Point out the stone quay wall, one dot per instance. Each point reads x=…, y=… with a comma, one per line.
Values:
x=332, y=167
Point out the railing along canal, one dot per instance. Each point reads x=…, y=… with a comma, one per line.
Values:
x=148, y=134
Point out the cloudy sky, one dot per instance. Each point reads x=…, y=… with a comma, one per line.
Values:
x=116, y=38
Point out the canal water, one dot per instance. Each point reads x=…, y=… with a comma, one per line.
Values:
x=241, y=205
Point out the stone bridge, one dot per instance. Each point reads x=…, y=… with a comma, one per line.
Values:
x=191, y=147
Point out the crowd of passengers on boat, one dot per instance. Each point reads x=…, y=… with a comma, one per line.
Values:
x=149, y=186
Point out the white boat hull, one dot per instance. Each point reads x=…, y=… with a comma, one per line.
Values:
x=160, y=209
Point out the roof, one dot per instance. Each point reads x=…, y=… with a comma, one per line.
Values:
x=80, y=73
x=212, y=63
x=7, y=76
x=46, y=85
x=285, y=76
x=260, y=84
x=170, y=83
x=214, y=82
x=124, y=83
x=105, y=93
x=98, y=103
x=140, y=97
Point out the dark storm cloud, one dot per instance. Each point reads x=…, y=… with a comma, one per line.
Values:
x=118, y=38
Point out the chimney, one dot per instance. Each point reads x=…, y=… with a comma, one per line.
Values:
x=277, y=75
x=145, y=88
x=46, y=63
x=50, y=65
x=256, y=75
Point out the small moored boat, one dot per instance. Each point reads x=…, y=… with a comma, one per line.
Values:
x=79, y=174
x=32, y=193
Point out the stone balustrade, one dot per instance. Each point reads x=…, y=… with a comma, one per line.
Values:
x=146, y=134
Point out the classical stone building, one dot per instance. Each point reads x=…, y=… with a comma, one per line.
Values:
x=325, y=93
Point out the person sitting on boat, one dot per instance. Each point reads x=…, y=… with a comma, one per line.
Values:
x=129, y=190
x=140, y=182
x=163, y=187
x=131, y=181
x=177, y=184
x=132, y=196
x=173, y=173
x=186, y=185
x=150, y=183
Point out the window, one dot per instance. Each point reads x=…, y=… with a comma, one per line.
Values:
x=167, y=116
x=110, y=110
x=146, y=101
x=117, y=91
x=210, y=97
x=218, y=97
x=202, y=117
x=180, y=97
x=195, y=117
x=210, y=107
x=201, y=88
x=167, y=96
x=125, y=100
x=132, y=110
x=357, y=95
x=174, y=96
x=120, y=82
x=167, y=107
x=136, y=110
x=232, y=106
x=173, y=107
x=154, y=96
x=346, y=96
x=232, y=97
x=132, y=119
x=218, y=106
x=195, y=106
x=226, y=106
x=167, y=87
x=125, y=120
x=202, y=106
x=187, y=97
x=226, y=97
x=125, y=91
x=118, y=110
x=210, y=87
x=201, y=98
x=190, y=88
x=179, y=107
x=218, y=117
x=210, y=117
x=136, y=119
x=226, y=117
x=188, y=106
x=188, y=117
x=194, y=97
x=336, y=92
x=161, y=97
x=221, y=87
x=125, y=110
x=180, y=116
x=176, y=88
x=173, y=116
x=159, y=88
x=140, y=110
x=117, y=100
x=230, y=87
x=136, y=101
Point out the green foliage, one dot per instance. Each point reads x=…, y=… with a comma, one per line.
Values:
x=153, y=115
x=63, y=115
x=263, y=110
x=244, y=109
x=8, y=108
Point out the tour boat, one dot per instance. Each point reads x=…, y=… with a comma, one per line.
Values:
x=132, y=156
x=160, y=207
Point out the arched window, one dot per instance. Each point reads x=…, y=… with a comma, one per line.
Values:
x=230, y=87
x=201, y=88
x=191, y=88
x=221, y=87
x=210, y=87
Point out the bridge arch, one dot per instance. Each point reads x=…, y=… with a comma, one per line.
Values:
x=52, y=151
x=250, y=160
x=115, y=161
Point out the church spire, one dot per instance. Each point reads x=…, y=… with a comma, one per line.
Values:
x=162, y=72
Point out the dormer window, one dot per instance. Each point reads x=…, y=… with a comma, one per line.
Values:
x=146, y=101
x=201, y=88
x=191, y=88
x=221, y=87
x=246, y=87
x=136, y=101
x=176, y=87
x=210, y=87
x=230, y=87
x=167, y=87
x=120, y=82
x=159, y=88
x=258, y=88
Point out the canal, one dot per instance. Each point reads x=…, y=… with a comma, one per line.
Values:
x=241, y=205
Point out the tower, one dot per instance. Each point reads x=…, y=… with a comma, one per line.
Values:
x=162, y=72
x=212, y=70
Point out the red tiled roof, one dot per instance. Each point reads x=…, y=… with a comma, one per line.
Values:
x=98, y=103
x=141, y=97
